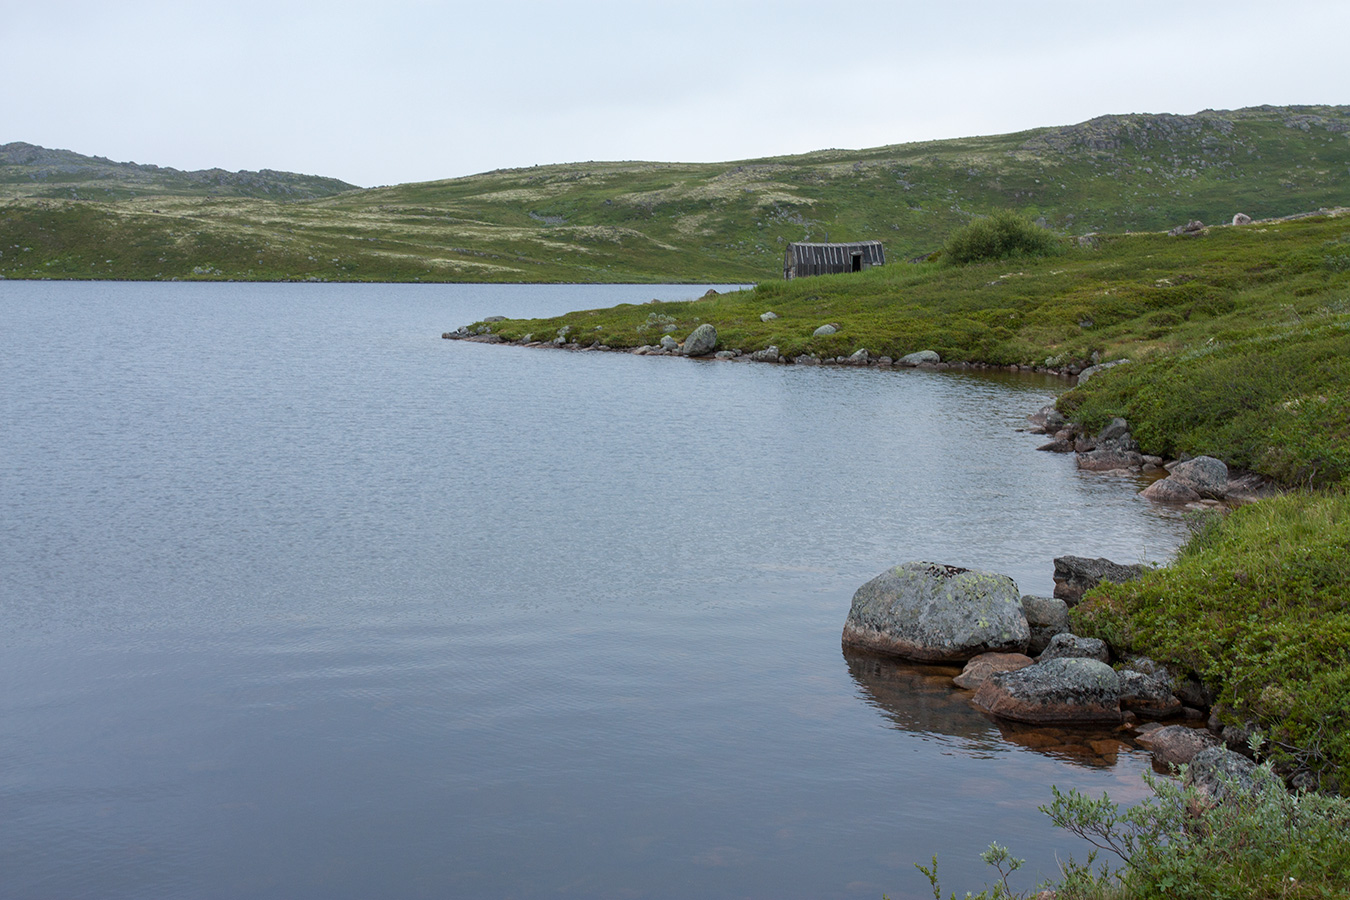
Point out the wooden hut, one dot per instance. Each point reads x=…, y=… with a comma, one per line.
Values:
x=804, y=259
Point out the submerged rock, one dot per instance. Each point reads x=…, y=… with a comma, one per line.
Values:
x=1061, y=691
x=986, y=664
x=935, y=613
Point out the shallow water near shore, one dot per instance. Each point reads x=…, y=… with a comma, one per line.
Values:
x=299, y=600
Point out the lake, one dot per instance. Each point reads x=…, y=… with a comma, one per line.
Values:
x=299, y=600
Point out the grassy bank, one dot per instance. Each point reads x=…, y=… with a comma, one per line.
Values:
x=1142, y=296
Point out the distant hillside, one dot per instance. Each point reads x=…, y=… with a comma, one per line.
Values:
x=650, y=221
x=27, y=170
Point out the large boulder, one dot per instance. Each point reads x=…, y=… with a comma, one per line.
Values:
x=986, y=664
x=1076, y=574
x=1218, y=774
x=1061, y=691
x=825, y=331
x=918, y=358
x=701, y=340
x=1169, y=490
x=1205, y=475
x=1047, y=617
x=929, y=612
x=1105, y=459
x=768, y=354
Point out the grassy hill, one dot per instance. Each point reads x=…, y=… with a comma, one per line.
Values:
x=649, y=221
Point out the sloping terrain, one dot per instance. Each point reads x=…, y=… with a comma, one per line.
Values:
x=649, y=221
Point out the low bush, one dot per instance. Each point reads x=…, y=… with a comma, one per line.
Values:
x=1257, y=604
x=1004, y=235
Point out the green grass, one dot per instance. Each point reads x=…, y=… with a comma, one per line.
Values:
x=1258, y=605
x=1141, y=296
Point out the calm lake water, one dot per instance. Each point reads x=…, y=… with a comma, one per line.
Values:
x=298, y=600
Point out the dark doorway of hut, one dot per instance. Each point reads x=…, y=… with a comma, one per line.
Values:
x=857, y=262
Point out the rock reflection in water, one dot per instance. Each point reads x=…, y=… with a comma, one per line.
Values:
x=922, y=698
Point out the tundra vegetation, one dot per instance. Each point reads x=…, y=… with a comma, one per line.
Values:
x=63, y=215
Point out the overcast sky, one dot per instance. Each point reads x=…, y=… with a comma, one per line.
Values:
x=394, y=91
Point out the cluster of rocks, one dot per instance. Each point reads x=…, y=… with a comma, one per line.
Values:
x=1023, y=662
x=1194, y=481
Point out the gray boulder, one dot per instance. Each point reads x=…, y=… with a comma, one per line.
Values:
x=825, y=331
x=918, y=358
x=768, y=316
x=986, y=664
x=1061, y=691
x=935, y=613
x=768, y=354
x=1218, y=774
x=669, y=343
x=860, y=357
x=1147, y=695
x=1205, y=475
x=1046, y=420
x=1076, y=574
x=1109, y=460
x=1242, y=219
x=1046, y=617
x=701, y=340
x=1176, y=745
x=1071, y=646
x=1169, y=490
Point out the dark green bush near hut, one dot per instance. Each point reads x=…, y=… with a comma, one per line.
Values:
x=1004, y=235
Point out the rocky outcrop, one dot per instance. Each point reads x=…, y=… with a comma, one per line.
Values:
x=1071, y=646
x=1113, y=448
x=701, y=341
x=1046, y=617
x=986, y=664
x=929, y=612
x=1176, y=745
x=1087, y=373
x=1061, y=691
x=1076, y=574
x=1193, y=228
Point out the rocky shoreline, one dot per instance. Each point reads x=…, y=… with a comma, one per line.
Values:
x=1023, y=665
x=702, y=341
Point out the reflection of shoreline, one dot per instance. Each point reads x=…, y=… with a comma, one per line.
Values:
x=922, y=699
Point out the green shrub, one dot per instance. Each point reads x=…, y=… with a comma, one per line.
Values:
x=1177, y=846
x=1004, y=235
x=1258, y=606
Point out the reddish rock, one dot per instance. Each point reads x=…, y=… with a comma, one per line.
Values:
x=1061, y=691
x=986, y=664
x=1176, y=745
